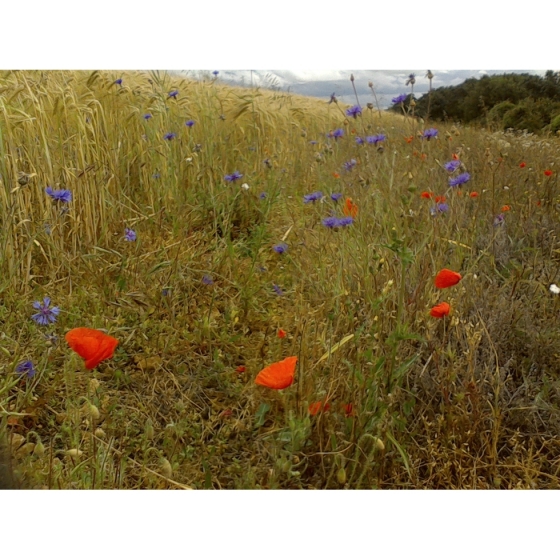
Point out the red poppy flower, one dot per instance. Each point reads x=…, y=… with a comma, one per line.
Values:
x=446, y=278
x=427, y=194
x=455, y=157
x=92, y=345
x=348, y=410
x=350, y=209
x=474, y=194
x=278, y=375
x=506, y=208
x=440, y=310
x=548, y=172
x=240, y=369
x=336, y=175
x=281, y=333
x=315, y=408
x=522, y=165
x=409, y=139
x=440, y=199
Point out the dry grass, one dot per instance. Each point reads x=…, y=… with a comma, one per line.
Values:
x=470, y=401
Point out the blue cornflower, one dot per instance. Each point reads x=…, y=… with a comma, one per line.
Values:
x=169, y=136
x=376, y=139
x=156, y=176
x=26, y=367
x=147, y=116
x=129, y=234
x=349, y=165
x=46, y=314
x=61, y=195
x=338, y=133
x=336, y=196
x=277, y=289
x=331, y=222
x=452, y=165
x=215, y=72
x=165, y=292
x=346, y=221
x=207, y=280
x=312, y=197
x=442, y=207
x=430, y=133
x=354, y=111
x=280, y=248
x=359, y=140
x=233, y=177
x=262, y=196
x=333, y=99
x=118, y=82
x=399, y=99
x=173, y=93
x=459, y=180
x=313, y=142
x=190, y=123
x=499, y=220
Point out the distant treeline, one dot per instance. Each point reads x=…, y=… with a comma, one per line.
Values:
x=518, y=101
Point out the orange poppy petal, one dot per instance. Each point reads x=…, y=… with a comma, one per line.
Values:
x=446, y=278
x=278, y=375
x=440, y=310
x=315, y=407
x=92, y=345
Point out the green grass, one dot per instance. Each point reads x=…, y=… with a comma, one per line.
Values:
x=468, y=401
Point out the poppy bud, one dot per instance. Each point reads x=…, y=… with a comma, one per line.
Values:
x=341, y=475
x=166, y=468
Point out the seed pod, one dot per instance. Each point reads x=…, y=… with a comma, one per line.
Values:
x=341, y=475
x=39, y=449
x=74, y=453
x=166, y=468
x=379, y=445
x=99, y=433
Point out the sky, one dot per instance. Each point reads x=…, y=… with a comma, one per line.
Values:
x=322, y=83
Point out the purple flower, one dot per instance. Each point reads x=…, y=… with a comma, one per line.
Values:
x=118, y=82
x=430, y=133
x=61, y=195
x=233, y=177
x=338, y=133
x=147, y=116
x=331, y=222
x=312, y=197
x=207, y=280
x=349, y=165
x=313, y=142
x=280, y=248
x=129, y=234
x=354, y=111
x=399, y=99
x=262, y=196
x=215, y=72
x=46, y=314
x=459, y=180
x=169, y=136
x=359, y=140
x=277, y=289
x=190, y=123
x=346, y=221
x=442, y=207
x=452, y=165
x=173, y=93
x=336, y=196
x=499, y=220
x=165, y=292
x=376, y=139
x=26, y=367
